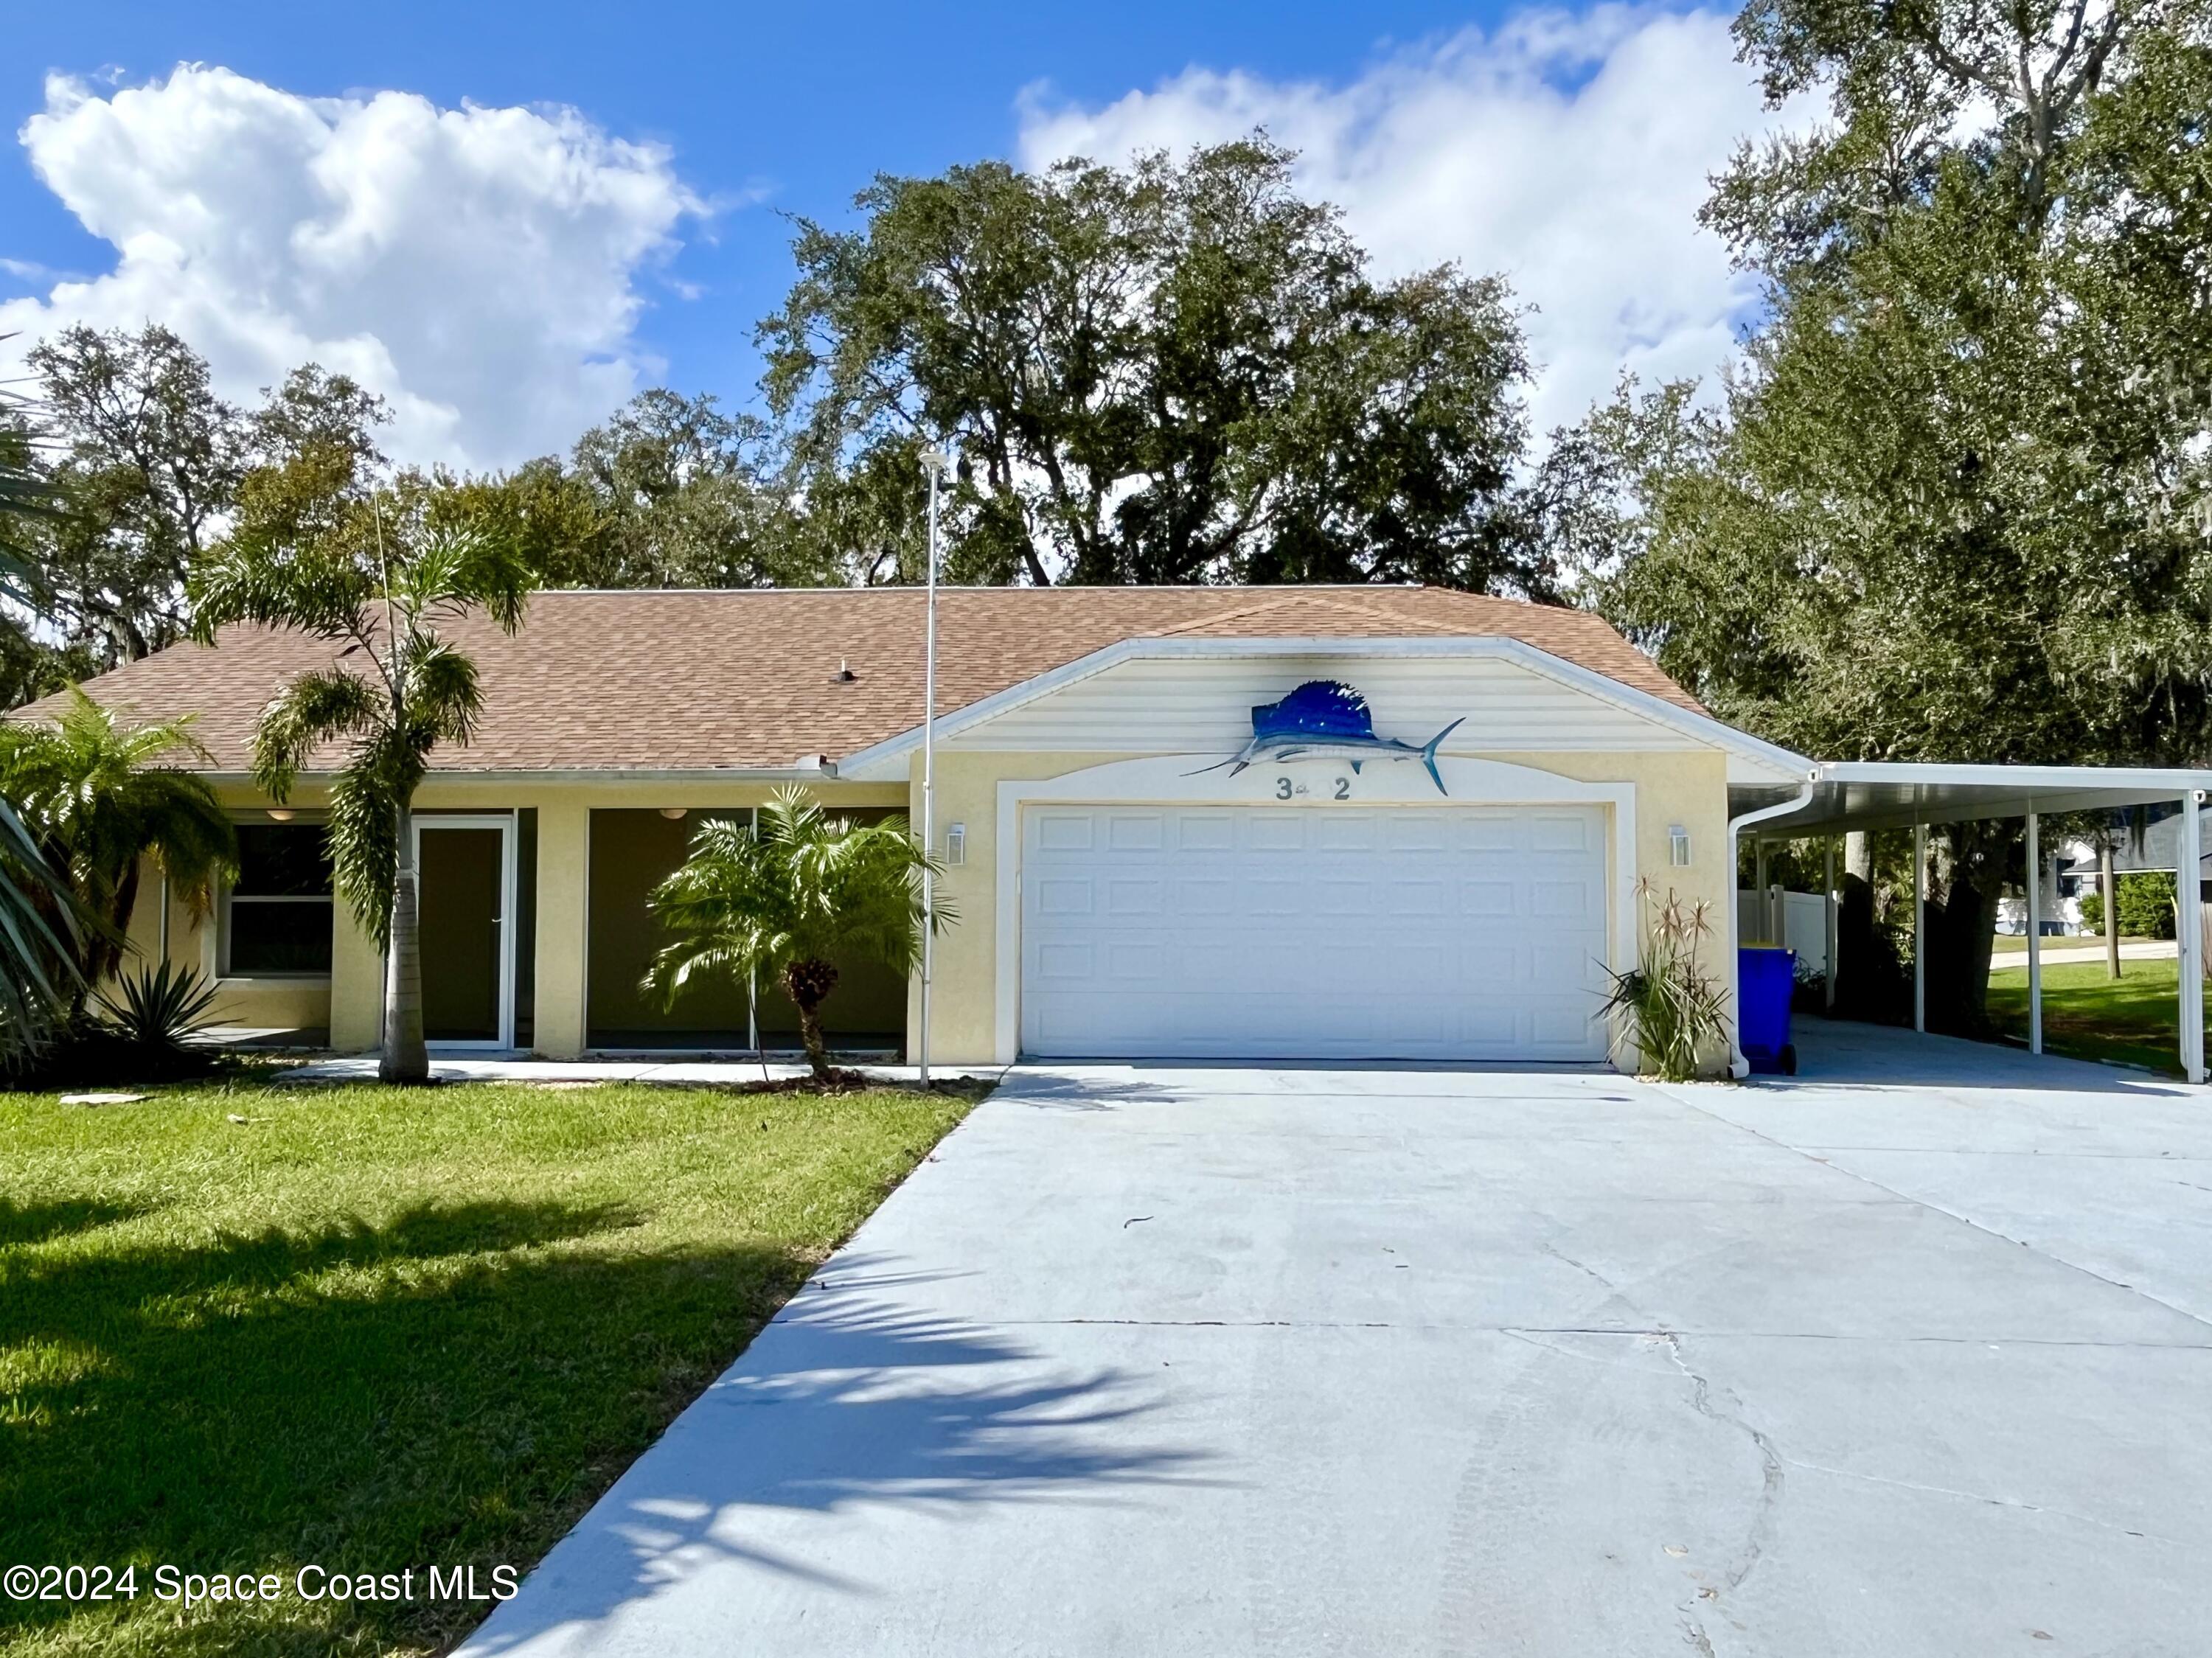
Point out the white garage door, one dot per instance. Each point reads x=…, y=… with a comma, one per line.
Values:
x=1451, y=933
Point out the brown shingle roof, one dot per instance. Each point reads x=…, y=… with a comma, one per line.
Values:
x=746, y=678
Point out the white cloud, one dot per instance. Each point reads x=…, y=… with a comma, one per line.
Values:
x=1568, y=152
x=479, y=267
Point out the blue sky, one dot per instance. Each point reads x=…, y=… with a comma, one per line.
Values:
x=763, y=110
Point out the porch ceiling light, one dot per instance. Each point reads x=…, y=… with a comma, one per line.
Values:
x=281, y=814
x=672, y=813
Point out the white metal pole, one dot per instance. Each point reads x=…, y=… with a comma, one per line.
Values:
x=934, y=462
x=2189, y=939
x=2034, y=939
x=1758, y=880
x=1920, y=927
x=1830, y=942
x=1739, y=1067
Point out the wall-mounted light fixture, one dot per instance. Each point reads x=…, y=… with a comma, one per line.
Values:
x=281, y=814
x=673, y=813
x=956, y=845
x=1678, y=847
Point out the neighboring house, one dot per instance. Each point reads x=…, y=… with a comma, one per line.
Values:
x=2147, y=840
x=1120, y=890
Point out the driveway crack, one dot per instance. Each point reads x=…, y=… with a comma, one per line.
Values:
x=1984, y=1497
x=1761, y=1532
x=1982, y=1227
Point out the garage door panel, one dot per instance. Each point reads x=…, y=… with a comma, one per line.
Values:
x=1312, y=931
x=1065, y=831
x=1143, y=896
x=1488, y=898
x=1064, y=895
x=1135, y=832
x=1557, y=832
x=1553, y=900
x=1205, y=831
x=1206, y=896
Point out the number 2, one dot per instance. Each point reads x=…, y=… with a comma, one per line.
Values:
x=1344, y=788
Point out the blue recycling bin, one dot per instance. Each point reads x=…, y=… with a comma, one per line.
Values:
x=1765, y=977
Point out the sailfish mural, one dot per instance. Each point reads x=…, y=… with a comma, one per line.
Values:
x=1327, y=719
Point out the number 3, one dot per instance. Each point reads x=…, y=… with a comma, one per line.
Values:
x=1282, y=788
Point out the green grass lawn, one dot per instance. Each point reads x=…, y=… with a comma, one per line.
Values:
x=371, y=1330
x=2089, y=1016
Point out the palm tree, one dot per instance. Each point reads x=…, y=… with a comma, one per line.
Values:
x=99, y=799
x=783, y=903
x=383, y=599
x=40, y=923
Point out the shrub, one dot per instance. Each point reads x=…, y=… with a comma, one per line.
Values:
x=1667, y=1003
x=2146, y=903
x=2146, y=906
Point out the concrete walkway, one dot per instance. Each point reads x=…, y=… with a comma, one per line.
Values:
x=675, y=1072
x=2055, y=954
x=1911, y=1354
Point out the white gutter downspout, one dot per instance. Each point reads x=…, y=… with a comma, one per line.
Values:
x=1739, y=1066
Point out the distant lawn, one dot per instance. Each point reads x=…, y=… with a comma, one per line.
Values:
x=2089, y=1016
x=371, y=1330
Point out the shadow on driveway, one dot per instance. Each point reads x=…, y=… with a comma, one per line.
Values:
x=844, y=1399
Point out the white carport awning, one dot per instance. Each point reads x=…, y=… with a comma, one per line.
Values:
x=1852, y=794
x=1840, y=796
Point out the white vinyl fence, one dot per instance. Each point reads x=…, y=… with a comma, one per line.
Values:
x=1795, y=921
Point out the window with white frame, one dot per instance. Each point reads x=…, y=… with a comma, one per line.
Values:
x=278, y=916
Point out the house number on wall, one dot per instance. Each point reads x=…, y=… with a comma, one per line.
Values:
x=1288, y=789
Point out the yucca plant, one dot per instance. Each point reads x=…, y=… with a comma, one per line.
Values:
x=161, y=1009
x=1667, y=1004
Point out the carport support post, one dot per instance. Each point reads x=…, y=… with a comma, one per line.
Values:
x=1920, y=927
x=1828, y=892
x=1758, y=880
x=2034, y=939
x=2188, y=870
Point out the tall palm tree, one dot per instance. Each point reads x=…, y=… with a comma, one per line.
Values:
x=100, y=797
x=383, y=598
x=785, y=902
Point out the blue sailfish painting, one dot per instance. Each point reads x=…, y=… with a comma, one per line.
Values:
x=1325, y=719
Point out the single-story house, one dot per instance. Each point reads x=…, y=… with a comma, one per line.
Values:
x=1248, y=823
x=1125, y=884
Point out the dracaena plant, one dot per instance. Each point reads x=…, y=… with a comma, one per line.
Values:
x=382, y=591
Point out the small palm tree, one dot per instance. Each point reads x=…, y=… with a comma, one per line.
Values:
x=383, y=598
x=783, y=903
x=100, y=797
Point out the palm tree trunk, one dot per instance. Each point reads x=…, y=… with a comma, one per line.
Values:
x=403, y=1059
x=807, y=983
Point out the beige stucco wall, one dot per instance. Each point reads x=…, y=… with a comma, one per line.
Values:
x=352, y=1001
x=1685, y=788
x=286, y=1004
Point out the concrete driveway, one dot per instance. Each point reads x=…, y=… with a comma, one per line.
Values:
x=1912, y=1356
